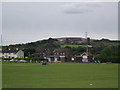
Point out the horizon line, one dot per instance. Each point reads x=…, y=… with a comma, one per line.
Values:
x=58, y=38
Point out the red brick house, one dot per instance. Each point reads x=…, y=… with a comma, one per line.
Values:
x=84, y=57
x=42, y=52
x=77, y=58
x=59, y=55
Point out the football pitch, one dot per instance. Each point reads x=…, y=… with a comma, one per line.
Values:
x=59, y=75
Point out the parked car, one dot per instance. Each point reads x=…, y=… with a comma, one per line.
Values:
x=24, y=61
x=17, y=60
x=0, y=60
x=12, y=60
x=4, y=60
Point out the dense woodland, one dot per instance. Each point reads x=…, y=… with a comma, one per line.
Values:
x=105, y=50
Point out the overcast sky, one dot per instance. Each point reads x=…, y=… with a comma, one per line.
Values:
x=25, y=22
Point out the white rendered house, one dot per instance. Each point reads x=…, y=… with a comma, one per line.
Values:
x=10, y=53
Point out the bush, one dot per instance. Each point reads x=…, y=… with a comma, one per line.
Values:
x=6, y=58
x=113, y=59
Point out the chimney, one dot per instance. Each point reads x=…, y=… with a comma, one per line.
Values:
x=16, y=49
x=9, y=49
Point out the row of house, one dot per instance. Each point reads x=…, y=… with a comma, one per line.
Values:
x=57, y=55
x=79, y=58
x=62, y=55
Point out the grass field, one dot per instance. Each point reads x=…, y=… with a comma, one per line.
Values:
x=60, y=75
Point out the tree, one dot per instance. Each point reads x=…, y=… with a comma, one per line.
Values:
x=29, y=51
x=106, y=52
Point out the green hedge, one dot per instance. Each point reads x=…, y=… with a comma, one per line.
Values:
x=113, y=59
x=34, y=58
x=6, y=58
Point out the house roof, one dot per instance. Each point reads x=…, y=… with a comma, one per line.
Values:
x=9, y=50
x=52, y=56
x=60, y=50
x=88, y=54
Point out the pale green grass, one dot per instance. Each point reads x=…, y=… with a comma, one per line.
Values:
x=75, y=46
x=60, y=75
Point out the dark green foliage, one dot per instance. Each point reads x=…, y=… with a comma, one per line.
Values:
x=68, y=47
x=50, y=45
x=50, y=40
x=76, y=50
x=6, y=58
x=29, y=51
x=109, y=54
x=106, y=52
x=113, y=59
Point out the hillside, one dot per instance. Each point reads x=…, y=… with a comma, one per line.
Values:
x=101, y=49
x=74, y=42
x=65, y=40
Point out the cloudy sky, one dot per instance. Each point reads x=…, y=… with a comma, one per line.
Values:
x=24, y=22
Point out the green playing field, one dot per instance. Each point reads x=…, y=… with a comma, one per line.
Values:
x=59, y=75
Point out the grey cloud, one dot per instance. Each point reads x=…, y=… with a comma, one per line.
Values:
x=78, y=8
x=77, y=11
x=93, y=5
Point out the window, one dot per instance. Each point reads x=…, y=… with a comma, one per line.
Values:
x=84, y=56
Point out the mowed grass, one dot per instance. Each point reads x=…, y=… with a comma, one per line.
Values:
x=60, y=75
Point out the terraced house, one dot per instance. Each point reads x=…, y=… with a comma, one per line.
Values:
x=11, y=53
